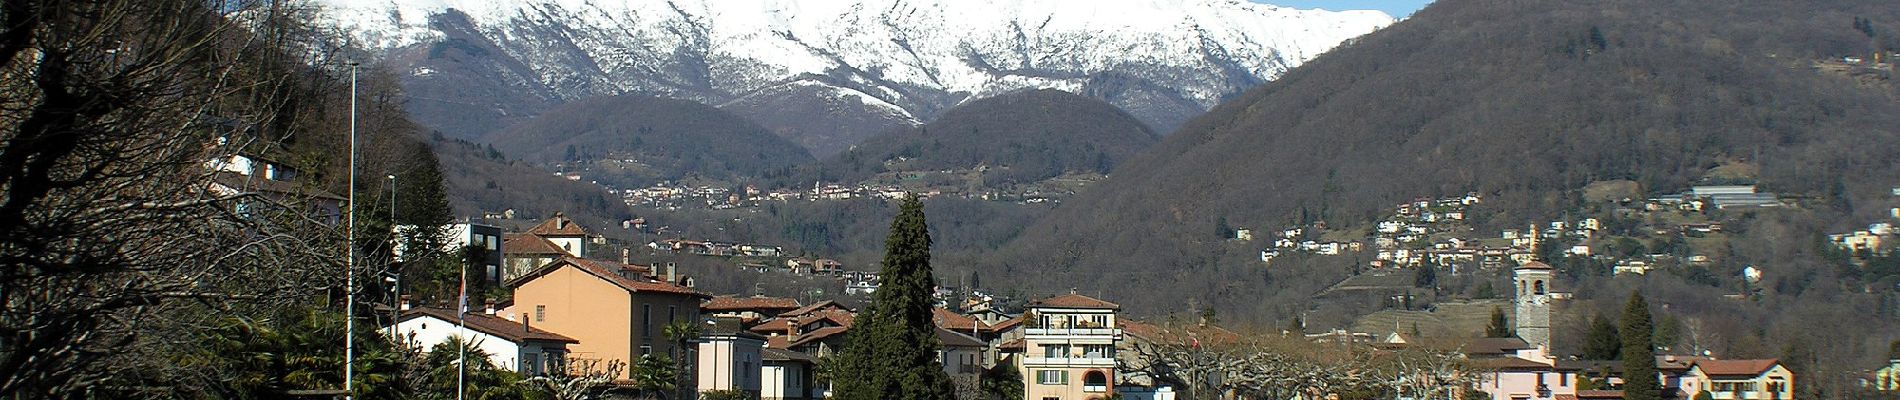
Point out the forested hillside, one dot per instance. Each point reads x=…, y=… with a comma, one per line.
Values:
x=1014, y=138
x=633, y=141
x=1525, y=103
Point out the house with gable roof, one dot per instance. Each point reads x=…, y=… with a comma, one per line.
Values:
x=617, y=311
x=513, y=346
x=564, y=234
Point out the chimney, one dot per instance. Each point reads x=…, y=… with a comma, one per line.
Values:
x=488, y=307
x=403, y=303
x=1071, y=290
x=626, y=256
x=670, y=272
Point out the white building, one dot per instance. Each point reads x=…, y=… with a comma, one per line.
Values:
x=729, y=359
x=514, y=346
x=787, y=375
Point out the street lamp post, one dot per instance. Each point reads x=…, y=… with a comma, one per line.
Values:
x=349, y=265
x=395, y=235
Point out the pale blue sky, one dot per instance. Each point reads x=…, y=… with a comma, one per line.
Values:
x=1397, y=8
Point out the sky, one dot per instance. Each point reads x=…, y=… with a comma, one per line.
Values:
x=1395, y=8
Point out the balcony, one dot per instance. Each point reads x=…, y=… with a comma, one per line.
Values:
x=1117, y=333
x=1068, y=362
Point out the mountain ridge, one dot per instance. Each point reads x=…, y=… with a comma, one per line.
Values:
x=1163, y=61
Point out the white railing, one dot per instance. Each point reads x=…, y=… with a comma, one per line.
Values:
x=1073, y=331
x=1069, y=361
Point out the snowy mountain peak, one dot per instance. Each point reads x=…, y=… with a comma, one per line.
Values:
x=1161, y=59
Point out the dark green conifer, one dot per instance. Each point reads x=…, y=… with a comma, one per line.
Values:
x=1639, y=352
x=1498, y=328
x=891, y=353
x=1603, y=341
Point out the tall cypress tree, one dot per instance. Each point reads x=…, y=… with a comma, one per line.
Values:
x=1639, y=352
x=891, y=352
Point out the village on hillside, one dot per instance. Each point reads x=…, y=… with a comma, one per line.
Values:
x=573, y=310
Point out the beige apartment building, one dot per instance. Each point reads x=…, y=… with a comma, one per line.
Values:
x=1069, y=348
x=617, y=311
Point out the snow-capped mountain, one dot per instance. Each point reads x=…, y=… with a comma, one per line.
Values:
x=1163, y=60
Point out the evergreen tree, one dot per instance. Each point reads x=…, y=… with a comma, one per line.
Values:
x=891, y=352
x=1668, y=331
x=1639, y=352
x=1603, y=342
x=1499, y=328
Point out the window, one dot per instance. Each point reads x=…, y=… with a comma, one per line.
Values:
x=540, y=313
x=1563, y=379
x=672, y=314
x=489, y=242
x=1098, y=351
x=1055, y=351
x=531, y=363
x=1540, y=287
x=646, y=320
x=1052, y=377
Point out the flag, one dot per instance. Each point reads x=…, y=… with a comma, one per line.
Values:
x=461, y=294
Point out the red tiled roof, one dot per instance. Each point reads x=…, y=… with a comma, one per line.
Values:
x=1677, y=363
x=778, y=325
x=1074, y=301
x=1534, y=265
x=558, y=225
x=1736, y=367
x=814, y=307
x=817, y=335
x=839, y=317
x=611, y=272
x=1007, y=324
x=947, y=319
x=1495, y=346
x=1599, y=394
x=492, y=325
x=1508, y=364
x=956, y=339
x=730, y=303
x=528, y=243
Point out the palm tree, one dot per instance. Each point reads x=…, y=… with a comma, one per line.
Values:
x=681, y=333
x=655, y=375
x=481, y=380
